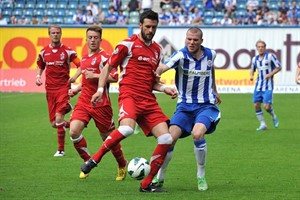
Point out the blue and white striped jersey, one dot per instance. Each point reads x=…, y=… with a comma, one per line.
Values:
x=264, y=67
x=193, y=78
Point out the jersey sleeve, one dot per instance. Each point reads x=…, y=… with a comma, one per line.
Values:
x=175, y=60
x=40, y=61
x=253, y=67
x=119, y=54
x=275, y=60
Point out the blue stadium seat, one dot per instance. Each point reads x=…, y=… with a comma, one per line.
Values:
x=49, y=12
x=8, y=5
x=208, y=13
x=61, y=5
x=17, y=12
x=28, y=12
x=41, y=5
x=39, y=12
x=6, y=12
x=20, y=1
x=70, y=12
x=19, y=5
x=133, y=21
x=58, y=20
x=30, y=5
x=208, y=20
x=61, y=12
x=73, y=5
x=51, y=5
x=68, y=20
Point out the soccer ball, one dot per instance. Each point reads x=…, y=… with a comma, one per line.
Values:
x=138, y=168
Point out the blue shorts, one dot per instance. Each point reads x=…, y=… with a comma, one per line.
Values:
x=265, y=97
x=187, y=115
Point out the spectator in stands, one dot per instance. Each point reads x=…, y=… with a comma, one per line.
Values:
x=164, y=17
x=117, y=4
x=226, y=21
x=239, y=21
x=271, y=20
x=78, y=17
x=93, y=8
x=250, y=14
x=177, y=12
x=264, y=8
x=249, y=21
x=188, y=6
x=88, y=18
x=173, y=4
x=23, y=20
x=260, y=19
x=45, y=20
x=163, y=3
x=175, y=21
x=100, y=17
x=209, y=4
x=282, y=18
x=185, y=20
x=197, y=17
x=133, y=5
x=252, y=4
x=295, y=5
x=13, y=20
x=3, y=21
x=111, y=17
x=122, y=19
x=230, y=7
x=283, y=8
x=293, y=16
x=34, y=20
x=146, y=5
x=219, y=5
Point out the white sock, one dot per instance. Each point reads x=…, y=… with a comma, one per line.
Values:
x=260, y=117
x=162, y=171
x=200, y=151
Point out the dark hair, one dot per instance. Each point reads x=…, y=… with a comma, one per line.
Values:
x=149, y=14
x=95, y=28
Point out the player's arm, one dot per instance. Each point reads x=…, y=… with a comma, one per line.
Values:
x=167, y=90
x=218, y=99
x=252, y=70
x=101, y=83
x=39, y=73
x=298, y=74
x=75, y=76
x=113, y=76
x=73, y=91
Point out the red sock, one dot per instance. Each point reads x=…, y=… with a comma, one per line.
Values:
x=67, y=124
x=81, y=148
x=113, y=139
x=61, y=132
x=159, y=155
x=118, y=154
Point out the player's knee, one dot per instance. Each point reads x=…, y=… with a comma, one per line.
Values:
x=125, y=130
x=165, y=139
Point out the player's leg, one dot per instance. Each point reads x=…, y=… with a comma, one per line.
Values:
x=257, y=99
x=164, y=140
x=125, y=129
x=205, y=123
x=268, y=100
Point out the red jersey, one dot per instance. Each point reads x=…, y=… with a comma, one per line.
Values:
x=94, y=63
x=56, y=62
x=137, y=62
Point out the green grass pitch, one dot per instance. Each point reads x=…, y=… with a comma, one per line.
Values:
x=241, y=163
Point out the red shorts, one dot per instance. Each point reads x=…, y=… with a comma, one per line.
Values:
x=146, y=112
x=58, y=102
x=103, y=116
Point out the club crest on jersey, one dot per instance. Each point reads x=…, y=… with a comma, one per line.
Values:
x=209, y=63
x=116, y=51
x=62, y=56
x=93, y=61
x=156, y=55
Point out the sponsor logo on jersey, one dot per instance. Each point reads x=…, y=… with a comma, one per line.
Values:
x=196, y=72
x=209, y=63
x=62, y=56
x=93, y=61
x=141, y=58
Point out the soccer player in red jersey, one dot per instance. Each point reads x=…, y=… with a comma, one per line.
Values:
x=55, y=60
x=102, y=114
x=138, y=58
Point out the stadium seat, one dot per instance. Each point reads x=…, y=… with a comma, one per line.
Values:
x=70, y=12
x=61, y=12
x=20, y=1
x=41, y=5
x=199, y=5
x=58, y=20
x=241, y=6
x=208, y=13
x=28, y=12
x=39, y=12
x=49, y=12
x=17, y=12
x=8, y=5
x=30, y=5
x=72, y=5
x=68, y=20
x=19, y=6
x=133, y=21
x=6, y=12
x=61, y=5
x=51, y=5
x=219, y=15
x=208, y=20
x=134, y=14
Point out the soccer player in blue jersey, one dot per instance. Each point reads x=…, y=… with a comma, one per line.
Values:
x=196, y=113
x=267, y=65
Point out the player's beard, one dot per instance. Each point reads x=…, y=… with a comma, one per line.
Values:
x=147, y=37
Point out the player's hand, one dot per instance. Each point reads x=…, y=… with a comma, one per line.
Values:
x=72, y=92
x=96, y=98
x=171, y=92
x=218, y=99
x=157, y=78
x=72, y=80
x=298, y=80
x=89, y=74
x=268, y=76
x=38, y=81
